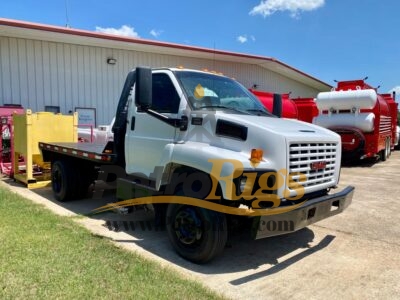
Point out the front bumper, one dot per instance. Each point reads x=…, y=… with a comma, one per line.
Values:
x=310, y=212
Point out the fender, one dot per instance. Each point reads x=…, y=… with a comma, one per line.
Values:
x=197, y=156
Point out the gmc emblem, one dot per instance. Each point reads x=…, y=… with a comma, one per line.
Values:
x=319, y=165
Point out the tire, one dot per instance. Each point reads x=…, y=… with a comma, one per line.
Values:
x=384, y=154
x=196, y=184
x=62, y=181
x=197, y=234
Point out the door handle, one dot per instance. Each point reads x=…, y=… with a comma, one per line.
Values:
x=133, y=123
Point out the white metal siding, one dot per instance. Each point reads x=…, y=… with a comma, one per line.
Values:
x=39, y=73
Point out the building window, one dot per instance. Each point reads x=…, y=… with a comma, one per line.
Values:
x=52, y=108
x=12, y=105
x=86, y=116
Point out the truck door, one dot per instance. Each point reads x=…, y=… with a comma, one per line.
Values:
x=147, y=139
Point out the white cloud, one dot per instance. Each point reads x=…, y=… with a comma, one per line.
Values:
x=242, y=39
x=125, y=30
x=156, y=33
x=268, y=7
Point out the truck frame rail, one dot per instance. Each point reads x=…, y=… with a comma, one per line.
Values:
x=102, y=153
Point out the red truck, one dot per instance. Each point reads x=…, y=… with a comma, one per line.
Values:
x=362, y=117
x=393, y=107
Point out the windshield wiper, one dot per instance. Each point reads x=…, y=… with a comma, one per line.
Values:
x=260, y=111
x=225, y=107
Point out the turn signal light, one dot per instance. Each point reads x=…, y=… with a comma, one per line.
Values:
x=256, y=156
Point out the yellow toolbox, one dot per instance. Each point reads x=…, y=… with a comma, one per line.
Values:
x=32, y=128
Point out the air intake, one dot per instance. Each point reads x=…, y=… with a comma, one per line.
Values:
x=231, y=130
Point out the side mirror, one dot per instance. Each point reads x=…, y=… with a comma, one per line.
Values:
x=277, y=106
x=143, y=87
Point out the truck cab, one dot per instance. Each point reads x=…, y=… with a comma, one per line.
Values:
x=196, y=116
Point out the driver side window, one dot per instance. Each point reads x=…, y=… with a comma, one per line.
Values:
x=165, y=97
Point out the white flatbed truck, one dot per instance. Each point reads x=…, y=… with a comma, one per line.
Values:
x=200, y=136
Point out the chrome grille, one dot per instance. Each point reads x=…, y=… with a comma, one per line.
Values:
x=301, y=158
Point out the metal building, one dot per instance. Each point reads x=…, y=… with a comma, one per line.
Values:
x=49, y=68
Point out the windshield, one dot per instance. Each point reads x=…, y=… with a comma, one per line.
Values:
x=209, y=91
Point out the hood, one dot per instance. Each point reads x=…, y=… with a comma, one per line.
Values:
x=246, y=132
x=284, y=142
x=289, y=128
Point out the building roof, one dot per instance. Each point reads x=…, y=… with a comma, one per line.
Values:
x=22, y=29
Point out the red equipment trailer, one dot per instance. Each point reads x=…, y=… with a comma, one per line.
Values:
x=361, y=116
x=6, y=140
x=307, y=109
x=303, y=109
x=289, y=110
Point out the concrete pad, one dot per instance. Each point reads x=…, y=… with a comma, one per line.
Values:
x=353, y=255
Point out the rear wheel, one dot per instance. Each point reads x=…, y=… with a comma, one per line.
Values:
x=62, y=181
x=384, y=154
x=197, y=234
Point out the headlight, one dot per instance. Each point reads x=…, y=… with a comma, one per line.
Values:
x=242, y=184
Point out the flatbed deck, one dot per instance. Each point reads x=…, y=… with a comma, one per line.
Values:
x=99, y=152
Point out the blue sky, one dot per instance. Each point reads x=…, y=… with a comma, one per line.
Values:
x=328, y=39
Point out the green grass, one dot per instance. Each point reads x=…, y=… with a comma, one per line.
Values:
x=43, y=255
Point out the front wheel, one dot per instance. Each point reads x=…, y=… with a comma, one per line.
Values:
x=197, y=234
